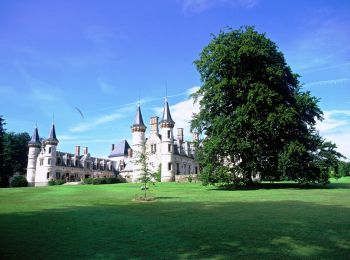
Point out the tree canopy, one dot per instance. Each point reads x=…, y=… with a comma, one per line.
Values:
x=13, y=153
x=256, y=118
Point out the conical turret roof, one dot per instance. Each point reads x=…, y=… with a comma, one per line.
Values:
x=138, y=119
x=35, y=140
x=52, y=136
x=166, y=114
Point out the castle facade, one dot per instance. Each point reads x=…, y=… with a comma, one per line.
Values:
x=172, y=157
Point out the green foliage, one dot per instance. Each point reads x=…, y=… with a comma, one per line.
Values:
x=87, y=180
x=344, y=168
x=3, y=178
x=147, y=177
x=158, y=174
x=19, y=181
x=56, y=182
x=256, y=118
x=98, y=181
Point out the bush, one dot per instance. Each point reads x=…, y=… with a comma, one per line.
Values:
x=104, y=180
x=87, y=180
x=59, y=182
x=19, y=181
x=55, y=182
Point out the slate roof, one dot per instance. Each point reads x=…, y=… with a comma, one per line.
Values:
x=166, y=114
x=35, y=140
x=138, y=118
x=121, y=149
x=52, y=136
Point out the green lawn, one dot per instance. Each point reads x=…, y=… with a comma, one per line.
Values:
x=187, y=221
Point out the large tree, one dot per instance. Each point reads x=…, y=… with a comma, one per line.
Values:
x=254, y=114
x=2, y=133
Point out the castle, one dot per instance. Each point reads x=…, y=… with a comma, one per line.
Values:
x=174, y=158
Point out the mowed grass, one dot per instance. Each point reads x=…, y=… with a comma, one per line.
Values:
x=187, y=221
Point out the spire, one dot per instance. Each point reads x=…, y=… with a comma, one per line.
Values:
x=167, y=121
x=138, y=123
x=52, y=136
x=35, y=140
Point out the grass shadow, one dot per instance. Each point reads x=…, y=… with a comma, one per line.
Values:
x=179, y=230
x=281, y=185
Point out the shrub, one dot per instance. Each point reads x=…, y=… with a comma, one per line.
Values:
x=104, y=180
x=87, y=180
x=56, y=182
x=59, y=182
x=19, y=181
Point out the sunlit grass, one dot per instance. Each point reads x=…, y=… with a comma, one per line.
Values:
x=186, y=221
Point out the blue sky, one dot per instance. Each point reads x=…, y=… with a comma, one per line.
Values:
x=103, y=56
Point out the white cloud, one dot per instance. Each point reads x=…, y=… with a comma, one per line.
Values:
x=82, y=127
x=182, y=112
x=192, y=90
x=328, y=82
x=336, y=128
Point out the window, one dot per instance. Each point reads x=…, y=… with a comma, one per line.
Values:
x=48, y=175
x=153, y=148
x=41, y=162
x=50, y=149
x=196, y=170
x=169, y=147
x=58, y=175
x=169, y=166
x=177, y=168
x=49, y=161
x=168, y=133
x=189, y=169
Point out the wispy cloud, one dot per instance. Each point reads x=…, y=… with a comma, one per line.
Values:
x=82, y=127
x=105, y=87
x=198, y=6
x=328, y=82
x=101, y=35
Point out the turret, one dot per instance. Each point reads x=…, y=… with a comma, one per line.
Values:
x=48, y=163
x=34, y=150
x=167, y=125
x=138, y=141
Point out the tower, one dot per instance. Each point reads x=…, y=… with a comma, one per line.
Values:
x=138, y=141
x=47, y=160
x=167, y=145
x=34, y=150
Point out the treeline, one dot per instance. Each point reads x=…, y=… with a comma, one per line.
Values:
x=13, y=153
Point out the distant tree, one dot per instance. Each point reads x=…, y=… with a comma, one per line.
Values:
x=2, y=170
x=147, y=177
x=255, y=116
x=344, y=168
x=16, y=152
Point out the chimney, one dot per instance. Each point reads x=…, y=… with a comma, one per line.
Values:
x=180, y=134
x=112, y=147
x=77, y=150
x=195, y=136
x=129, y=152
x=86, y=150
x=154, y=125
